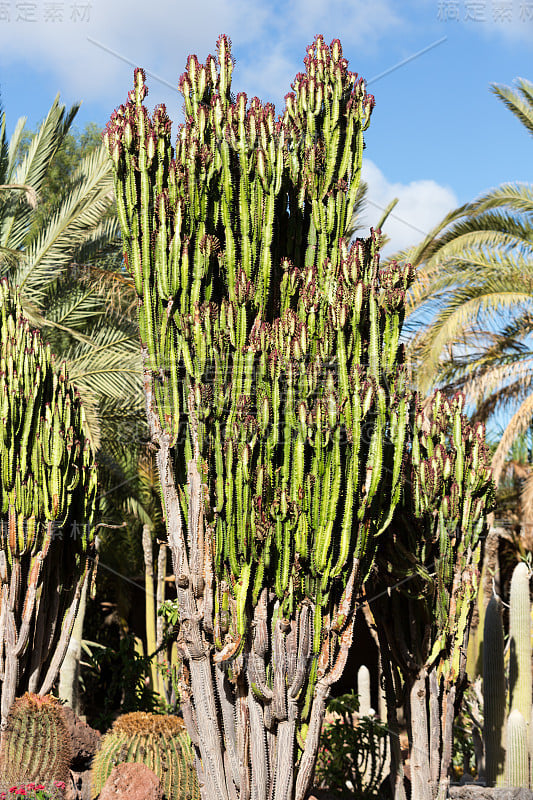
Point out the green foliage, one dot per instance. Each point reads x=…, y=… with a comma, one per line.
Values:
x=474, y=285
x=352, y=752
x=61, y=173
x=436, y=538
x=118, y=675
x=160, y=742
x=34, y=791
x=36, y=742
x=52, y=247
x=169, y=610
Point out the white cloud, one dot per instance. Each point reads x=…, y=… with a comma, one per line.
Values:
x=421, y=205
x=159, y=35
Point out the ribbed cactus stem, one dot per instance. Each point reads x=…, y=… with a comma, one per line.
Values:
x=494, y=693
x=47, y=499
x=520, y=643
x=517, y=757
x=159, y=742
x=36, y=742
x=279, y=406
x=363, y=689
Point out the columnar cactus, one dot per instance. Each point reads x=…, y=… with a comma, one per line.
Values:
x=520, y=643
x=36, y=742
x=519, y=687
x=159, y=742
x=517, y=759
x=363, y=690
x=494, y=694
x=276, y=397
x=47, y=495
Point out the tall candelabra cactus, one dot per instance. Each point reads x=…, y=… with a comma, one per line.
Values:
x=426, y=582
x=47, y=496
x=275, y=394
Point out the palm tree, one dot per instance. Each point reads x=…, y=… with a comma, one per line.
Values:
x=42, y=254
x=471, y=308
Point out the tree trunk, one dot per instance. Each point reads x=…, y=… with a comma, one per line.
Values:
x=69, y=674
x=243, y=730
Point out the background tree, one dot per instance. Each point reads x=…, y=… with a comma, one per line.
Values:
x=63, y=250
x=474, y=293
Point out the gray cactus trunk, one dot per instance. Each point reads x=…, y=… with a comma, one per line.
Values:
x=248, y=750
x=69, y=674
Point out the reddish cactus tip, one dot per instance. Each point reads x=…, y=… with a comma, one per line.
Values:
x=139, y=75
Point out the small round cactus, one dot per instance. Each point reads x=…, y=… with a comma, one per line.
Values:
x=159, y=742
x=36, y=743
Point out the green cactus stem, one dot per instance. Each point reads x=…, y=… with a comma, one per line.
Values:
x=520, y=643
x=278, y=403
x=47, y=498
x=36, y=742
x=494, y=694
x=427, y=573
x=159, y=742
x=517, y=756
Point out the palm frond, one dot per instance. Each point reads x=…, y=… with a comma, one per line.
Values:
x=4, y=149
x=515, y=196
x=14, y=148
x=32, y=170
x=521, y=108
x=526, y=498
x=519, y=422
x=75, y=219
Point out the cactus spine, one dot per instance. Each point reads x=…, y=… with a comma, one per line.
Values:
x=517, y=760
x=520, y=643
x=518, y=740
x=438, y=529
x=276, y=397
x=520, y=688
x=159, y=742
x=36, y=742
x=47, y=496
x=494, y=694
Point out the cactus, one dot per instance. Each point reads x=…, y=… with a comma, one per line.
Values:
x=438, y=530
x=276, y=395
x=47, y=496
x=36, y=742
x=520, y=643
x=363, y=690
x=517, y=758
x=159, y=742
x=494, y=694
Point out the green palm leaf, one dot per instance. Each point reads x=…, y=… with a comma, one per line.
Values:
x=470, y=310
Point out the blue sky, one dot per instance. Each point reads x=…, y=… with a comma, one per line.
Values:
x=438, y=136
